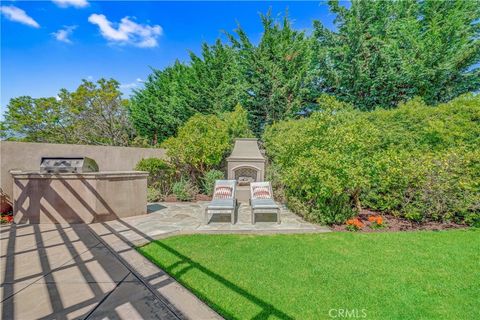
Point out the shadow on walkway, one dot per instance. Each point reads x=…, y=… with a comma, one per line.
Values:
x=53, y=271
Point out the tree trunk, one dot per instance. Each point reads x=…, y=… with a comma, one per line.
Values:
x=356, y=200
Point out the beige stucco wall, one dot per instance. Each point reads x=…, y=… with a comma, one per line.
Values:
x=78, y=198
x=26, y=156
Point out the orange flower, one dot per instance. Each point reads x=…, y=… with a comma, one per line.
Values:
x=379, y=220
x=358, y=224
x=355, y=222
x=371, y=218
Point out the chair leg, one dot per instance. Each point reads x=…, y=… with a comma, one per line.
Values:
x=235, y=212
x=206, y=215
x=253, y=216
x=278, y=216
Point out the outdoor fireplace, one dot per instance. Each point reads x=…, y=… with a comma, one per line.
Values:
x=246, y=164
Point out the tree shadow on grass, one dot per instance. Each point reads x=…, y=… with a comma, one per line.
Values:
x=267, y=309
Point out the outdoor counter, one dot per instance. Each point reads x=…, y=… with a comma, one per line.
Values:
x=78, y=197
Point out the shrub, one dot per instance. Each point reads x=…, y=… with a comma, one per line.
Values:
x=200, y=144
x=161, y=174
x=237, y=123
x=416, y=161
x=184, y=190
x=204, y=140
x=208, y=180
x=154, y=194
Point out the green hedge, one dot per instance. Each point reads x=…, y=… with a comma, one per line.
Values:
x=417, y=161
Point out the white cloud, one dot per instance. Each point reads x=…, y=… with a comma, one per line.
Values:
x=71, y=3
x=128, y=85
x=64, y=34
x=16, y=14
x=131, y=85
x=127, y=31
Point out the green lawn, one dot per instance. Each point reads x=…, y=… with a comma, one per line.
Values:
x=409, y=275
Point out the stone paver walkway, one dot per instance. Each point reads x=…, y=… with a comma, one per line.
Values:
x=93, y=271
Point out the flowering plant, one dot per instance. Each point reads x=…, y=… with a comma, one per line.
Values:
x=354, y=224
x=376, y=222
x=6, y=218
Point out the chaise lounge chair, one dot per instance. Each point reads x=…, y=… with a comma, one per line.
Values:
x=261, y=198
x=223, y=199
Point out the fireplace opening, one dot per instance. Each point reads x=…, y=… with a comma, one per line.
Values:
x=245, y=175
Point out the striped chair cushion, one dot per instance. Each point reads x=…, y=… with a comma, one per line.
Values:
x=223, y=192
x=261, y=193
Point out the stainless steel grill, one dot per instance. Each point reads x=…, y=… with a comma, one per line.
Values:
x=67, y=165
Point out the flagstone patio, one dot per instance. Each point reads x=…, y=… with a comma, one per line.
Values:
x=170, y=218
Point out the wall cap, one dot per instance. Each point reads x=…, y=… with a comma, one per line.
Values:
x=18, y=174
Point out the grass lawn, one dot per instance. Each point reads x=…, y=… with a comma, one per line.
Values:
x=409, y=275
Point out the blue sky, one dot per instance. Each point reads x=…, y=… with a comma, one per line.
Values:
x=48, y=45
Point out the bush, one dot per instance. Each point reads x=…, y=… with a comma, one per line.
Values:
x=161, y=174
x=154, y=194
x=200, y=145
x=208, y=180
x=204, y=140
x=416, y=161
x=237, y=123
x=184, y=190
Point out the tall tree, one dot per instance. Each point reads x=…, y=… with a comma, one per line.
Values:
x=95, y=113
x=276, y=71
x=36, y=120
x=211, y=83
x=100, y=111
x=217, y=83
x=385, y=52
x=158, y=109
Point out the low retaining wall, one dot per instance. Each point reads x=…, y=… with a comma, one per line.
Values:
x=78, y=198
x=26, y=156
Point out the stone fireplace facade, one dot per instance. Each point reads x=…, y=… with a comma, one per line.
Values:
x=246, y=164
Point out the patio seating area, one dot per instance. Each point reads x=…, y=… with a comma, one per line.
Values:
x=170, y=218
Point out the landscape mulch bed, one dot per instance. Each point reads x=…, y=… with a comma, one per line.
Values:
x=393, y=223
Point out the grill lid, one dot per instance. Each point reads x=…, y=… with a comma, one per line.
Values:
x=67, y=165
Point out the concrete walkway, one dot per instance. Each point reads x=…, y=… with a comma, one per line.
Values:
x=93, y=271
